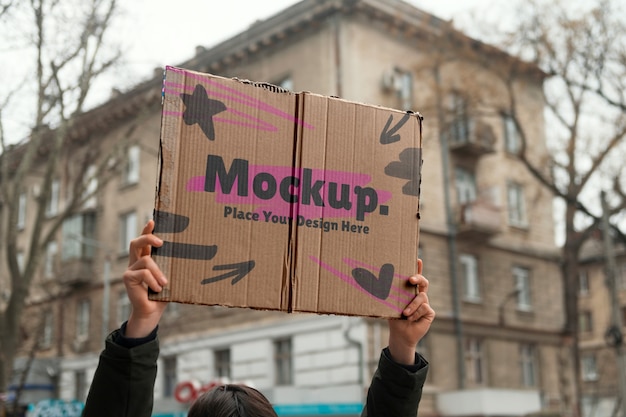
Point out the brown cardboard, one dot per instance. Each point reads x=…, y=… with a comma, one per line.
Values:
x=285, y=201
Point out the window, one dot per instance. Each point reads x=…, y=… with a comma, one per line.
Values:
x=286, y=83
x=459, y=122
x=80, y=381
x=50, y=259
x=465, y=186
x=528, y=364
x=52, y=205
x=588, y=367
x=516, y=204
x=128, y=230
x=283, y=369
x=521, y=280
x=91, y=185
x=169, y=376
x=469, y=273
x=123, y=306
x=75, y=230
x=82, y=319
x=131, y=168
x=583, y=283
x=20, y=261
x=405, y=92
x=585, y=322
x=222, y=363
x=45, y=340
x=474, y=361
x=21, y=211
x=512, y=138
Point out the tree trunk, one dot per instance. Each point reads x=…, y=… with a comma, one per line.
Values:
x=569, y=270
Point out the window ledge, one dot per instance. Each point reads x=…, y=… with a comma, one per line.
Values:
x=472, y=300
x=128, y=184
x=522, y=226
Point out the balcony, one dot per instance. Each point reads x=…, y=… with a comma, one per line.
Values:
x=488, y=402
x=76, y=272
x=471, y=138
x=478, y=221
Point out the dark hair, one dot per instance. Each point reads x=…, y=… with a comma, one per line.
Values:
x=232, y=400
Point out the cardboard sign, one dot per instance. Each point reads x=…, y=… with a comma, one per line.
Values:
x=274, y=200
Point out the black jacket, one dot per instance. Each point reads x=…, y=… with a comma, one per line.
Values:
x=123, y=385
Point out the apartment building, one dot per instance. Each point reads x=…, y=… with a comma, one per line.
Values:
x=597, y=300
x=486, y=235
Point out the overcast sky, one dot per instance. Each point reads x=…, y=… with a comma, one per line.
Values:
x=157, y=33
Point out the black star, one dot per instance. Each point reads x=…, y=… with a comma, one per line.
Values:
x=201, y=109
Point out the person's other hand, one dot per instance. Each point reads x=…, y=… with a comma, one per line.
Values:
x=143, y=273
x=418, y=315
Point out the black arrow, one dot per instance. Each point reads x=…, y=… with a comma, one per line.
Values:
x=165, y=222
x=238, y=271
x=185, y=250
x=389, y=135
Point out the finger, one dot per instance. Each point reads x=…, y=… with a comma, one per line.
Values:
x=148, y=228
x=145, y=240
x=147, y=231
x=147, y=263
x=423, y=312
x=140, y=246
x=420, y=281
x=143, y=277
x=414, y=305
x=420, y=266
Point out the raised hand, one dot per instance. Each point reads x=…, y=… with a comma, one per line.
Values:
x=143, y=273
x=418, y=315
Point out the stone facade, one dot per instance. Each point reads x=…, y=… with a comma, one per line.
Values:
x=599, y=360
x=487, y=338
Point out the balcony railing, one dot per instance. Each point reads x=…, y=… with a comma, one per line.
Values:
x=77, y=271
x=470, y=137
x=479, y=220
x=489, y=402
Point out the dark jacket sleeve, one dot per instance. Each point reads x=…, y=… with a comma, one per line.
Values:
x=123, y=384
x=395, y=390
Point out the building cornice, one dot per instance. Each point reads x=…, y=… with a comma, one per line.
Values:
x=271, y=33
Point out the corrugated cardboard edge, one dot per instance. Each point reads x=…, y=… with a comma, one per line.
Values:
x=289, y=267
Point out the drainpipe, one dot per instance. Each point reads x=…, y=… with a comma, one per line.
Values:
x=451, y=233
x=336, y=24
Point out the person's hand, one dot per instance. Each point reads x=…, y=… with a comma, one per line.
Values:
x=143, y=273
x=418, y=315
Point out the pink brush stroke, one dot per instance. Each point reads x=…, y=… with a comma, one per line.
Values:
x=348, y=279
x=259, y=124
x=245, y=99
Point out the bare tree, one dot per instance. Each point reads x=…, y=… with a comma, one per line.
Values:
x=585, y=58
x=70, y=49
x=581, y=59
x=5, y=6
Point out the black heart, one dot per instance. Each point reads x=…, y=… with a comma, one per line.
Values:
x=408, y=168
x=379, y=286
